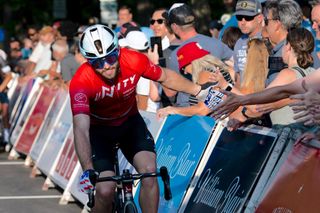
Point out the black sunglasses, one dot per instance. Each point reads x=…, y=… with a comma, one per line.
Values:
x=246, y=18
x=159, y=21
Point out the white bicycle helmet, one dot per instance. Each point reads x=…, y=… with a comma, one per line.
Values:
x=98, y=41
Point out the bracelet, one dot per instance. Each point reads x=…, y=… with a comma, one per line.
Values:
x=229, y=87
x=243, y=112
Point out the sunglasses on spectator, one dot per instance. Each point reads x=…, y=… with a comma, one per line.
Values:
x=110, y=59
x=159, y=21
x=266, y=20
x=246, y=18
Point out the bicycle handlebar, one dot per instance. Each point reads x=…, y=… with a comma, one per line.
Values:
x=166, y=183
x=121, y=178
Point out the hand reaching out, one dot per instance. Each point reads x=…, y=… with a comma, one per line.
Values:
x=307, y=106
x=163, y=112
x=229, y=105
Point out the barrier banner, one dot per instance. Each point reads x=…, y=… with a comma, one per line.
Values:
x=14, y=92
x=50, y=121
x=20, y=95
x=269, y=169
x=34, y=122
x=65, y=164
x=56, y=139
x=180, y=145
x=25, y=106
x=296, y=186
x=230, y=172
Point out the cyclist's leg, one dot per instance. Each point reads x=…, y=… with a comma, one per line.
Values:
x=138, y=147
x=104, y=194
x=145, y=161
x=103, y=162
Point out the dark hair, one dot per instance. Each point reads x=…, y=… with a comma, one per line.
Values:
x=302, y=42
x=230, y=36
x=215, y=24
x=125, y=7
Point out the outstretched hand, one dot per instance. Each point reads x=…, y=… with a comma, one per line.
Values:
x=228, y=106
x=307, y=106
x=163, y=112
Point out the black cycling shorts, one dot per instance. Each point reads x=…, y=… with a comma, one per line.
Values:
x=132, y=136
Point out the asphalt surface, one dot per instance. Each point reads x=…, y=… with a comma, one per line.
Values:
x=19, y=193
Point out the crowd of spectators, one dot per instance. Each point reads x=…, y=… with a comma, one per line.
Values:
x=257, y=44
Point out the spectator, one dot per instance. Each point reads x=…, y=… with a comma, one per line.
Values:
x=297, y=54
x=15, y=54
x=26, y=50
x=193, y=59
x=182, y=22
x=32, y=33
x=66, y=61
x=124, y=16
x=279, y=17
x=254, y=76
x=232, y=21
x=159, y=23
x=40, y=58
x=214, y=28
x=230, y=36
x=250, y=20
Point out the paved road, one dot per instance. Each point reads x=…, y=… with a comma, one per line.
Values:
x=21, y=194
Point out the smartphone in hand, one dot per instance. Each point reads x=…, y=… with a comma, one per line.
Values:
x=156, y=40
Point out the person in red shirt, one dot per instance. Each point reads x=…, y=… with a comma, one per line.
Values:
x=104, y=108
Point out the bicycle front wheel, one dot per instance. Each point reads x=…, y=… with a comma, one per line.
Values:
x=130, y=207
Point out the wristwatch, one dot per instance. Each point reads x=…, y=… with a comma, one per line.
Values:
x=229, y=87
x=243, y=112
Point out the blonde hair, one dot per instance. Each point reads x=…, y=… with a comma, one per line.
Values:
x=256, y=68
x=204, y=63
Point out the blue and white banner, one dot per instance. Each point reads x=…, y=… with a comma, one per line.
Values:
x=180, y=145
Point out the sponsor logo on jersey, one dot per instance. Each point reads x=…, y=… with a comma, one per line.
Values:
x=120, y=86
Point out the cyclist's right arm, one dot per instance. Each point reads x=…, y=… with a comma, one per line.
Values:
x=81, y=124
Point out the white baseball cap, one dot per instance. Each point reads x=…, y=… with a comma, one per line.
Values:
x=136, y=40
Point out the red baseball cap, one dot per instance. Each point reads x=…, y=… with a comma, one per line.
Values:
x=189, y=52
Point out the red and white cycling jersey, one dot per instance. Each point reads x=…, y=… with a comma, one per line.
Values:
x=111, y=103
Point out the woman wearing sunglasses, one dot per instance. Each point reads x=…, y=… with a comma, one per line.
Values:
x=102, y=94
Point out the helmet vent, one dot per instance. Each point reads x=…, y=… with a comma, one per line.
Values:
x=98, y=45
x=111, y=47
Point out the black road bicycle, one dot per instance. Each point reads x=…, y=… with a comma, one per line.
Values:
x=124, y=202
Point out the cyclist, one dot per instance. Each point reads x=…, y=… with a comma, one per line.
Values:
x=105, y=112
